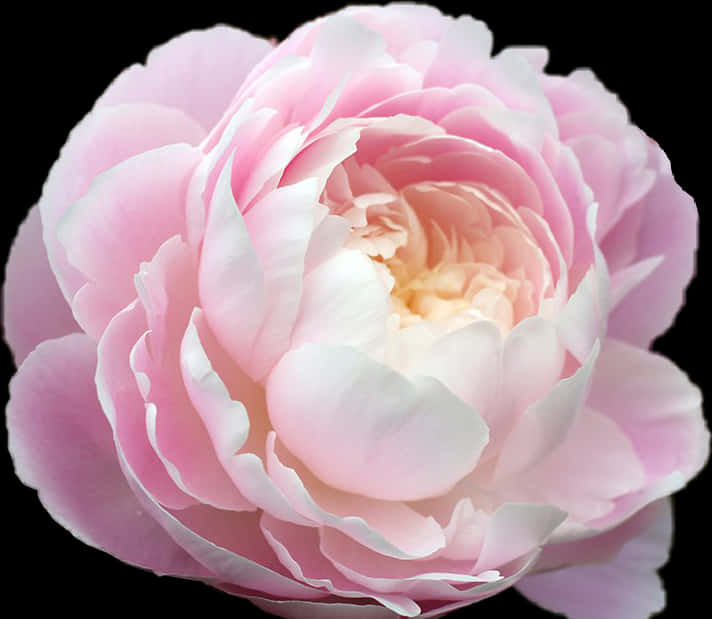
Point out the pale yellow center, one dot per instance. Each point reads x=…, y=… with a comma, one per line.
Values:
x=452, y=294
x=450, y=254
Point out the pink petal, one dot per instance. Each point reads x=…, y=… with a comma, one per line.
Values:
x=514, y=530
x=668, y=228
x=402, y=24
x=127, y=214
x=319, y=158
x=228, y=543
x=280, y=227
x=435, y=103
x=656, y=405
x=431, y=609
x=235, y=418
x=168, y=292
x=104, y=138
x=331, y=313
x=468, y=362
x=197, y=72
x=391, y=528
x=626, y=587
x=626, y=279
x=584, y=474
x=427, y=579
x=231, y=277
x=61, y=444
x=294, y=609
x=532, y=361
x=125, y=408
x=298, y=549
x=536, y=56
x=342, y=48
x=226, y=421
x=546, y=423
x=583, y=319
x=34, y=309
x=463, y=51
x=325, y=409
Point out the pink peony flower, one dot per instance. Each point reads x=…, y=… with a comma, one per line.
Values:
x=358, y=325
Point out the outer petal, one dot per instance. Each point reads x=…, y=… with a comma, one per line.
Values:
x=585, y=473
x=197, y=72
x=547, y=422
x=61, y=444
x=668, y=228
x=656, y=406
x=124, y=218
x=228, y=542
x=34, y=309
x=297, y=609
x=125, y=409
x=626, y=587
x=376, y=425
x=298, y=549
x=104, y=138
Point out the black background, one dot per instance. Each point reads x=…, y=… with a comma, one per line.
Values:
x=57, y=65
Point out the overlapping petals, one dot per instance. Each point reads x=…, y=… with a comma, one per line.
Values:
x=362, y=327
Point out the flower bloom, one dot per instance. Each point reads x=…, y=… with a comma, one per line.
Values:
x=358, y=325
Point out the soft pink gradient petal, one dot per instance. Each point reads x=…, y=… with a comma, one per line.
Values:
x=61, y=445
x=296, y=609
x=643, y=215
x=427, y=579
x=229, y=262
x=469, y=363
x=583, y=320
x=517, y=530
x=331, y=314
x=125, y=408
x=168, y=292
x=33, y=307
x=586, y=472
x=668, y=228
x=546, y=423
x=104, y=138
x=298, y=549
x=463, y=52
x=431, y=609
x=362, y=427
x=227, y=542
x=391, y=528
x=532, y=360
x=280, y=226
x=423, y=23
x=233, y=545
x=514, y=530
x=657, y=407
x=626, y=587
x=122, y=220
x=197, y=72
x=337, y=69
x=236, y=426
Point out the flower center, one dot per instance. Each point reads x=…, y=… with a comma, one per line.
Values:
x=454, y=294
x=450, y=253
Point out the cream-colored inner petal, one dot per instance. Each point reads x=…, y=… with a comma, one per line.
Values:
x=449, y=253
